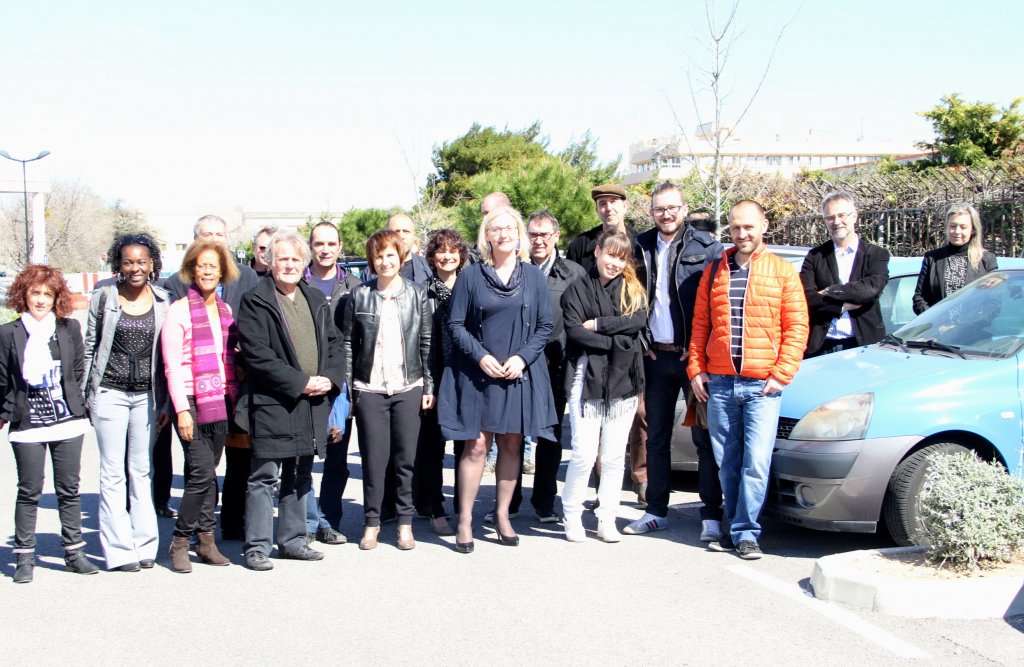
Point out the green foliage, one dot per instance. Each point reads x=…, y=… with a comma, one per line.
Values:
x=358, y=224
x=581, y=155
x=546, y=182
x=969, y=133
x=480, y=150
x=972, y=511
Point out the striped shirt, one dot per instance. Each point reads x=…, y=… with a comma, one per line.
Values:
x=737, y=292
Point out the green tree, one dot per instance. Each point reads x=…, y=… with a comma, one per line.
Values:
x=582, y=155
x=358, y=224
x=545, y=182
x=480, y=150
x=967, y=133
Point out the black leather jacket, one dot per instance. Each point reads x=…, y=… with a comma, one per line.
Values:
x=359, y=332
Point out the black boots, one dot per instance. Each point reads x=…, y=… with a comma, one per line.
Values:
x=26, y=564
x=76, y=561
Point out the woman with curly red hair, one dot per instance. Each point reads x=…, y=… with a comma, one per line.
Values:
x=42, y=365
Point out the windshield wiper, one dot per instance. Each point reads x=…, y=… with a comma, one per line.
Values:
x=932, y=344
x=894, y=340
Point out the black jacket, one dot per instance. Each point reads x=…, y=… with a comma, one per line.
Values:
x=614, y=366
x=359, y=332
x=581, y=249
x=564, y=272
x=284, y=422
x=931, y=283
x=690, y=251
x=14, y=391
x=868, y=278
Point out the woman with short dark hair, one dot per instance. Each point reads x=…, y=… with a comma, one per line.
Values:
x=386, y=337
x=41, y=371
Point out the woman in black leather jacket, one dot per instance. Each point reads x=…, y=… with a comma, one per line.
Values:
x=386, y=336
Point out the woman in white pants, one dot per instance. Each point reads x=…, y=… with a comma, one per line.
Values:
x=126, y=393
x=604, y=313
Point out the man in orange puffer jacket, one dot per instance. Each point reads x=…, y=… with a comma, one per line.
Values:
x=746, y=345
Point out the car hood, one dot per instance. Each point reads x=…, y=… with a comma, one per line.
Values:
x=882, y=370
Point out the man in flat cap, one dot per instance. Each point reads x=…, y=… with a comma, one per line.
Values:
x=610, y=200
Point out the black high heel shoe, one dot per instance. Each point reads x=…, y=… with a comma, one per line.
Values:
x=512, y=541
x=464, y=547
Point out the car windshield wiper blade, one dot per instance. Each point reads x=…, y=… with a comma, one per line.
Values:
x=932, y=344
x=894, y=340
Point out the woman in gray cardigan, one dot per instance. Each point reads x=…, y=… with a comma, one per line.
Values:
x=126, y=393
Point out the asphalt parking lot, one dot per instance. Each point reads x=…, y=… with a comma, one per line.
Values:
x=654, y=599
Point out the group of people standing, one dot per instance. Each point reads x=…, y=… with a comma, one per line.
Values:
x=432, y=347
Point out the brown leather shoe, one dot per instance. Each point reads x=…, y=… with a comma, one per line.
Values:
x=207, y=550
x=179, y=555
x=405, y=539
x=369, y=541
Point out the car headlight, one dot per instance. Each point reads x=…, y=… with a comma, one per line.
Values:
x=844, y=418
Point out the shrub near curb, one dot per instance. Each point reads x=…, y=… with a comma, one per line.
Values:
x=972, y=511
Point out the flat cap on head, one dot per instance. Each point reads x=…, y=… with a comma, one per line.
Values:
x=607, y=190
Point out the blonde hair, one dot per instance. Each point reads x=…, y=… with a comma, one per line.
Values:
x=484, y=246
x=633, y=297
x=974, y=248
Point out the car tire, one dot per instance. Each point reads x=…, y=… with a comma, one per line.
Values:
x=901, y=510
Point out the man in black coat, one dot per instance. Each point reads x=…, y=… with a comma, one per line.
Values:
x=610, y=202
x=292, y=351
x=672, y=259
x=236, y=459
x=843, y=279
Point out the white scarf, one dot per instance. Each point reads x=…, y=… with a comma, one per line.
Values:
x=35, y=368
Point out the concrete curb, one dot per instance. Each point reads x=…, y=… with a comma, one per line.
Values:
x=843, y=578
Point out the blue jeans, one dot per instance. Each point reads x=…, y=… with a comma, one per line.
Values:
x=743, y=425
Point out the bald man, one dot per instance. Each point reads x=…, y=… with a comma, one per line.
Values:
x=414, y=266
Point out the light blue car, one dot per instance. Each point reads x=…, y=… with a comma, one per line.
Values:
x=857, y=428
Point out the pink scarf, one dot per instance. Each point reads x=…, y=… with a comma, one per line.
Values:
x=208, y=385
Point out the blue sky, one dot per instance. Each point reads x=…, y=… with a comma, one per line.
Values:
x=310, y=105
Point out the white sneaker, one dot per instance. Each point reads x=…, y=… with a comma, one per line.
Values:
x=710, y=530
x=646, y=524
x=574, y=531
x=607, y=531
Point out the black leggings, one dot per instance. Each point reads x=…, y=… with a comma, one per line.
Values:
x=388, y=427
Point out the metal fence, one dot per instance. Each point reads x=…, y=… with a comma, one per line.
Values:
x=909, y=232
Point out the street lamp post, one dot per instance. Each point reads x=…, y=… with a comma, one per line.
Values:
x=24, y=185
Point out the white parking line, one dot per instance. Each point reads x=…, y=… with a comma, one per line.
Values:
x=848, y=620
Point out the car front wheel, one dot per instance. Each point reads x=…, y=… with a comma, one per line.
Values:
x=901, y=510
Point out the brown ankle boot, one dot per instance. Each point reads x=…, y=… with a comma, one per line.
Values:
x=207, y=550
x=179, y=555
x=405, y=539
x=369, y=540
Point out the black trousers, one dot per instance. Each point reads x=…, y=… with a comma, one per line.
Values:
x=30, y=458
x=163, y=468
x=237, y=468
x=335, y=478
x=428, y=475
x=389, y=427
x=202, y=456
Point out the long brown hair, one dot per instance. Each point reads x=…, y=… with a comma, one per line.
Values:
x=633, y=297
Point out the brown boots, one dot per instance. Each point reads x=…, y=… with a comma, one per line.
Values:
x=179, y=555
x=405, y=539
x=207, y=550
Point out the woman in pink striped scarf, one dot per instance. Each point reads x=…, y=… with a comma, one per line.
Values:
x=199, y=340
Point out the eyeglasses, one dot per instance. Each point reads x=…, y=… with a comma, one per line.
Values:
x=508, y=229
x=543, y=236
x=261, y=248
x=662, y=210
x=212, y=268
x=841, y=217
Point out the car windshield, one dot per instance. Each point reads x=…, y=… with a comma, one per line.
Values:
x=984, y=319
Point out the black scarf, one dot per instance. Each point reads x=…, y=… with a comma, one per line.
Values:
x=509, y=289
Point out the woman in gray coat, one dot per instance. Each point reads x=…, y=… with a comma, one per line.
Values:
x=126, y=393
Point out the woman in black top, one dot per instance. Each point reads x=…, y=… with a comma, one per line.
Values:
x=41, y=372
x=961, y=261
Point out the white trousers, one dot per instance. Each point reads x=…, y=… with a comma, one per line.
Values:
x=596, y=427
x=125, y=426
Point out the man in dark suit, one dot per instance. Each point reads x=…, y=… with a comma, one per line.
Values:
x=237, y=459
x=843, y=279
